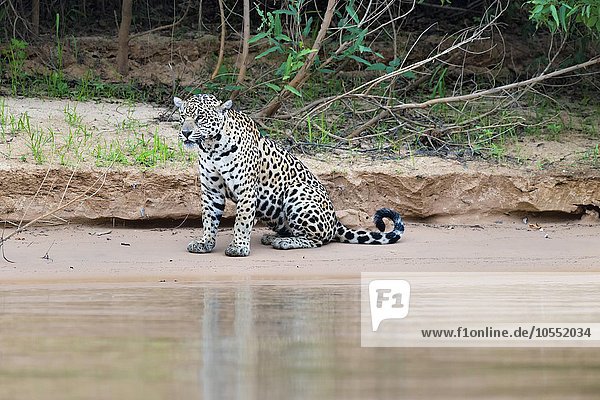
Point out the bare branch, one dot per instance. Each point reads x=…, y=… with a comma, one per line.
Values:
x=382, y=114
x=476, y=35
x=504, y=88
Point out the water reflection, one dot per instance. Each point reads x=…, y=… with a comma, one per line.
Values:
x=282, y=335
x=247, y=340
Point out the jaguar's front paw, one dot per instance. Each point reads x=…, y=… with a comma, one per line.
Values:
x=196, y=246
x=234, y=250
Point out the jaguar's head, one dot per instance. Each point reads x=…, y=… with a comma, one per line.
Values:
x=202, y=118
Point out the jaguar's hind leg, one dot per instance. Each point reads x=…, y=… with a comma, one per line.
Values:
x=295, y=242
x=280, y=231
x=268, y=238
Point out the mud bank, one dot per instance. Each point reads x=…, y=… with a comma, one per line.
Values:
x=91, y=195
x=420, y=187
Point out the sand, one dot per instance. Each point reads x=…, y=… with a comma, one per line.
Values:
x=80, y=253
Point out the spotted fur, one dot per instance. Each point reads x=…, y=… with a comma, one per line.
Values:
x=265, y=181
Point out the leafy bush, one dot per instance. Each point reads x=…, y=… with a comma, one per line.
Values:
x=564, y=15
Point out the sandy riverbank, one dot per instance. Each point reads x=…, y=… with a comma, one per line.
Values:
x=77, y=253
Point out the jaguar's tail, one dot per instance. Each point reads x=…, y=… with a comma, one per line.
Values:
x=347, y=235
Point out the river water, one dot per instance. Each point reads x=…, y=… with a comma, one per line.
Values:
x=268, y=339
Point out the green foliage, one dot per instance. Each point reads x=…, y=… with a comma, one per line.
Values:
x=89, y=87
x=3, y=122
x=319, y=130
x=438, y=82
x=75, y=121
x=390, y=67
x=11, y=124
x=55, y=84
x=37, y=141
x=135, y=144
x=59, y=45
x=563, y=15
x=16, y=56
x=107, y=154
x=355, y=34
x=286, y=43
x=289, y=29
x=138, y=149
x=150, y=152
x=71, y=116
x=592, y=155
x=224, y=81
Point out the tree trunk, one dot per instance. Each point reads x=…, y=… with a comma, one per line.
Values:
x=200, y=30
x=35, y=17
x=222, y=46
x=123, y=52
x=243, y=60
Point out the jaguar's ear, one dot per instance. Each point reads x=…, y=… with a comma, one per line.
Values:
x=178, y=102
x=226, y=106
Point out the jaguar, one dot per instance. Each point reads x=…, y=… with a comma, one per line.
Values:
x=265, y=181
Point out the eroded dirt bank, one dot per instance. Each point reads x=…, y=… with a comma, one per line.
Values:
x=29, y=192
x=80, y=135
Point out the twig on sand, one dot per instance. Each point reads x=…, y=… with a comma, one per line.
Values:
x=182, y=222
x=47, y=256
x=2, y=247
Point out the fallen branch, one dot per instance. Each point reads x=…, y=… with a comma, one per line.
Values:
x=482, y=93
x=512, y=100
x=382, y=114
x=304, y=109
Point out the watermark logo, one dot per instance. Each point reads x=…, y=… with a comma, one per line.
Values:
x=460, y=309
x=389, y=299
